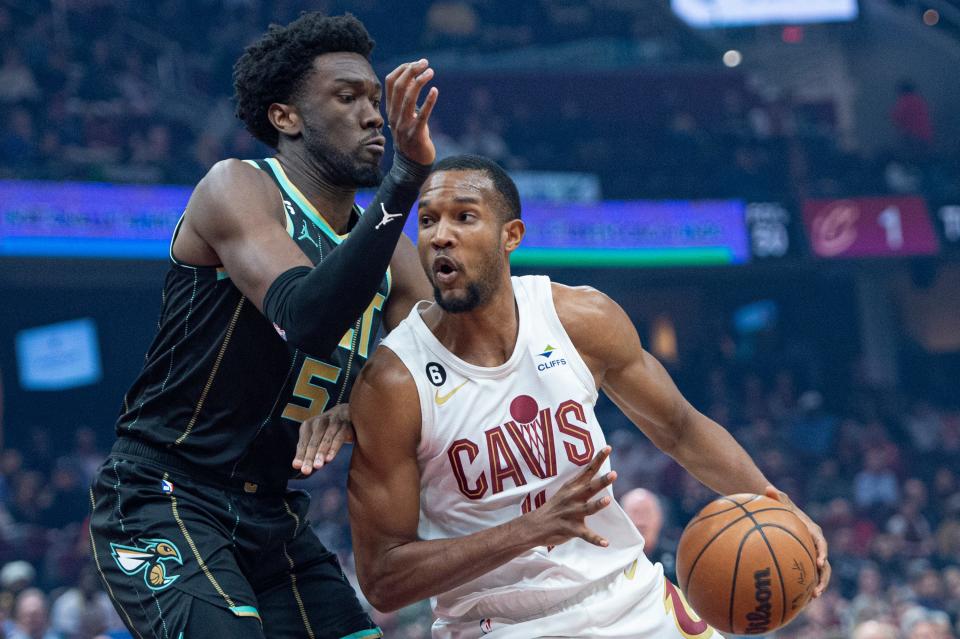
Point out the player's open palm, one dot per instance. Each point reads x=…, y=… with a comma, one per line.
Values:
x=562, y=517
x=408, y=122
x=321, y=438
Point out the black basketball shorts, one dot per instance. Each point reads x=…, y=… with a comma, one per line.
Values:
x=183, y=557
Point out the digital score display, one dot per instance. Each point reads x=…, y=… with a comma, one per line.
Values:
x=869, y=227
x=48, y=219
x=88, y=219
x=636, y=233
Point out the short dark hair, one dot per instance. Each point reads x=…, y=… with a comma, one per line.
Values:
x=502, y=182
x=273, y=68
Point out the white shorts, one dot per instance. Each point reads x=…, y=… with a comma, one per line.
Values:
x=617, y=608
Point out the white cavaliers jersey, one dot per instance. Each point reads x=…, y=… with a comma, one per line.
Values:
x=498, y=442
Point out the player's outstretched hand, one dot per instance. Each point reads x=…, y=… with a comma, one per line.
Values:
x=408, y=123
x=321, y=437
x=561, y=517
x=823, y=563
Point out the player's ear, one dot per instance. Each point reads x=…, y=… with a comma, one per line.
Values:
x=512, y=234
x=285, y=118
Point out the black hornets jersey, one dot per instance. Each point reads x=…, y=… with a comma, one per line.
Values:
x=220, y=387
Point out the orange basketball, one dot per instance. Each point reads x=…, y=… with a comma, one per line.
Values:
x=746, y=564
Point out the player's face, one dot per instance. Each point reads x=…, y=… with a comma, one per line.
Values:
x=342, y=125
x=460, y=240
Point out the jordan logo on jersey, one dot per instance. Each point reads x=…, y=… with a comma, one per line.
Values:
x=531, y=434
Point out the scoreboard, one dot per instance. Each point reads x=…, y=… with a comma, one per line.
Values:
x=869, y=227
x=82, y=219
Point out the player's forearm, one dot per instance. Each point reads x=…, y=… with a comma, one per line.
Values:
x=416, y=570
x=714, y=457
x=315, y=306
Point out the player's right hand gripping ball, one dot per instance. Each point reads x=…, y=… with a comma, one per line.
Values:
x=746, y=564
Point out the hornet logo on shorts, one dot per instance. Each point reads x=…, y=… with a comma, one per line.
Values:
x=151, y=559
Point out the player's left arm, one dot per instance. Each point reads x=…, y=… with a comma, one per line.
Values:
x=409, y=284
x=641, y=387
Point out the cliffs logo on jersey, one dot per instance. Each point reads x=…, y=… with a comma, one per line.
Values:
x=548, y=354
x=530, y=435
x=151, y=559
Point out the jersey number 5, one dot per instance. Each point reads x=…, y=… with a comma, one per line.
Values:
x=316, y=394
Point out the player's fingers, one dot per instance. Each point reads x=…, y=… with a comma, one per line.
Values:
x=408, y=108
x=824, y=579
x=397, y=95
x=591, y=469
x=337, y=443
x=314, y=443
x=427, y=107
x=326, y=441
x=392, y=78
x=304, y=437
x=588, y=535
x=597, y=505
x=599, y=483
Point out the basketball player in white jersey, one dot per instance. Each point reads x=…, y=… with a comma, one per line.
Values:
x=480, y=476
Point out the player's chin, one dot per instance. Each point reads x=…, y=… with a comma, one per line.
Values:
x=367, y=174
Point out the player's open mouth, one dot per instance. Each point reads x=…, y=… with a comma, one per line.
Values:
x=445, y=270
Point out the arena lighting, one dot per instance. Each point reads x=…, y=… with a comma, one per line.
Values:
x=931, y=17
x=732, y=58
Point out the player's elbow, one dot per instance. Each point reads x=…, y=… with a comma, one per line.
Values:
x=382, y=600
x=378, y=590
x=676, y=431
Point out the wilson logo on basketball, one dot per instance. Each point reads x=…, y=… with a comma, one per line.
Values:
x=531, y=435
x=759, y=619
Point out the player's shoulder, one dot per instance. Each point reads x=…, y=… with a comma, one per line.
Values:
x=235, y=179
x=233, y=188
x=583, y=311
x=385, y=396
x=582, y=304
x=385, y=374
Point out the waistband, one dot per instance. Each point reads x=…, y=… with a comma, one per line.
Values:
x=135, y=449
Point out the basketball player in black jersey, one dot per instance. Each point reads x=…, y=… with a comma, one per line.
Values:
x=276, y=292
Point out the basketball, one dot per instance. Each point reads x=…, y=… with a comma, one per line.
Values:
x=746, y=564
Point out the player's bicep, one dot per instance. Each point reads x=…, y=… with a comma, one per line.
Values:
x=237, y=213
x=646, y=394
x=384, y=480
x=635, y=381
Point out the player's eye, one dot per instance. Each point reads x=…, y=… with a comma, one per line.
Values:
x=346, y=98
x=466, y=216
x=425, y=220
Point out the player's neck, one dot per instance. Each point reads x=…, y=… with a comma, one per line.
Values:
x=485, y=336
x=334, y=203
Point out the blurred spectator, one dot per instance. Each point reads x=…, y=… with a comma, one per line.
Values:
x=644, y=509
x=17, y=82
x=30, y=616
x=84, y=611
x=19, y=139
x=924, y=426
x=68, y=502
x=875, y=487
x=17, y=576
x=911, y=118
x=874, y=630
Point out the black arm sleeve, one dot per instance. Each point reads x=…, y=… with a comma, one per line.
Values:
x=315, y=306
